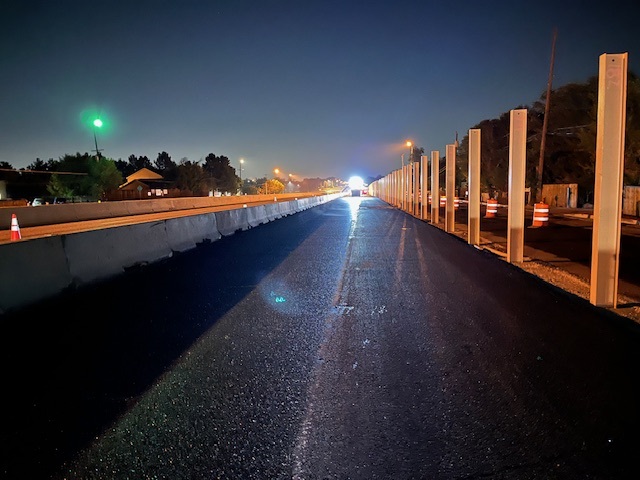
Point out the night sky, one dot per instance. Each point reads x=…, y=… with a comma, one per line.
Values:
x=314, y=88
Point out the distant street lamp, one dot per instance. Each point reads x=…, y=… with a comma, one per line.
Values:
x=410, y=145
x=241, y=162
x=97, y=123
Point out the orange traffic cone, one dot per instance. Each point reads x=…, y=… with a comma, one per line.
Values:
x=15, y=229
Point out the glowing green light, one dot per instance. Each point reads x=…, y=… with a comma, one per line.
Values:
x=97, y=123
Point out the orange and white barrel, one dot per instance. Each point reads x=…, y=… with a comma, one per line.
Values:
x=540, y=215
x=443, y=201
x=492, y=208
x=456, y=203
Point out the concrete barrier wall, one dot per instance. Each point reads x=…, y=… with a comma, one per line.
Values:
x=33, y=270
x=257, y=215
x=230, y=221
x=100, y=254
x=72, y=212
x=184, y=233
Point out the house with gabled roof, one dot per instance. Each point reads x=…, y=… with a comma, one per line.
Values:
x=143, y=184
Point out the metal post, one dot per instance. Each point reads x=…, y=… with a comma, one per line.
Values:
x=416, y=189
x=95, y=140
x=435, y=187
x=401, y=180
x=410, y=188
x=607, y=205
x=473, y=229
x=449, y=212
x=424, y=189
x=517, y=168
x=405, y=187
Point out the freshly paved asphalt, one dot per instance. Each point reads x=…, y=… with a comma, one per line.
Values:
x=565, y=243
x=347, y=341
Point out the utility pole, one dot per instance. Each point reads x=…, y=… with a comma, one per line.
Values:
x=545, y=121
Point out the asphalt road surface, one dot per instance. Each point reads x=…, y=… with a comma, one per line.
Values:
x=347, y=341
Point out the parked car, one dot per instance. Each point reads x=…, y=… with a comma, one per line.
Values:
x=47, y=201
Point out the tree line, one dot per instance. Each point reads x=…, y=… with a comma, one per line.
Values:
x=93, y=177
x=569, y=154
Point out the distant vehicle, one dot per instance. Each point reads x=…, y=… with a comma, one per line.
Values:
x=47, y=201
x=356, y=184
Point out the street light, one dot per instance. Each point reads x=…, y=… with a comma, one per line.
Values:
x=241, y=162
x=97, y=123
x=410, y=145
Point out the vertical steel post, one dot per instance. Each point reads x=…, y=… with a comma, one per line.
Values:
x=410, y=172
x=416, y=189
x=401, y=181
x=517, y=170
x=424, y=187
x=449, y=213
x=407, y=187
x=607, y=204
x=398, y=188
x=473, y=229
x=435, y=187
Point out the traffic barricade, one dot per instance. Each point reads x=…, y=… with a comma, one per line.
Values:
x=492, y=208
x=540, y=215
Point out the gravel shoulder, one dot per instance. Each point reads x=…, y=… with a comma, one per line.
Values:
x=628, y=307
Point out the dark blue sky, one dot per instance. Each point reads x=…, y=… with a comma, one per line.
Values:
x=315, y=88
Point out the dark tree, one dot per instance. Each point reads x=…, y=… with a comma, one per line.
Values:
x=220, y=174
x=165, y=166
x=82, y=175
x=191, y=179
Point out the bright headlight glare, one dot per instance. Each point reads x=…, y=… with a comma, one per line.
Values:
x=356, y=183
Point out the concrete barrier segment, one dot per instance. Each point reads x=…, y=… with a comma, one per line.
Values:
x=31, y=271
x=304, y=203
x=185, y=233
x=230, y=221
x=257, y=215
x=273, y=211
x=100, y=254
x=285, y=208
